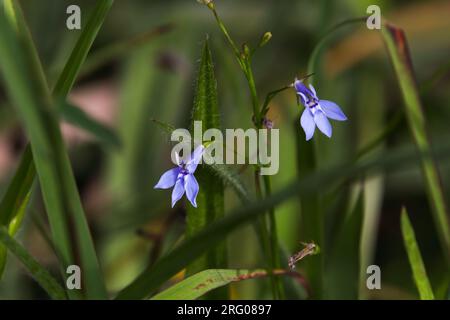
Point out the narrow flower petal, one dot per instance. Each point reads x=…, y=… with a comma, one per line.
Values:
x=311, y=87
x=168, y=179
x=322, y=123
x=191, y=189
x=332, y=110
x=301, y=88
x=195, y=158
x=178, y=191
x=307, y=122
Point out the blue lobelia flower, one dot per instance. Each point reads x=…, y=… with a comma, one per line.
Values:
x=316, y=111
x=181, y=178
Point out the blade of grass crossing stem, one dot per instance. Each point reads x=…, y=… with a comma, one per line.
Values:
x=39, y=273
x=153, y=277
x=210, y=198
x=415, y=258
x=397, y=48
x=52, y=164
x=203, y=282
x=14, y=202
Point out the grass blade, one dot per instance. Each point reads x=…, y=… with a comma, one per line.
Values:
x=203, y=282
x=42, y=276
x=79, y=54
x=151, y=278
x=415, y=258
x=14, y=202
x=81, y=119
x=61, y=197
x=210, y=198
x=397, y=48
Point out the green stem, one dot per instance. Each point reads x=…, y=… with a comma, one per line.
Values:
x=244, y=61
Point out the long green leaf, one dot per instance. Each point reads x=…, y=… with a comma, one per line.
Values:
x=80, y=52
x=415, y=258
x=30, y=95
x=166, y=267
x=76, y=116
x=203, y=282
x=397, y=48
x=210, y=198
x=14, y=202
x=42, y=276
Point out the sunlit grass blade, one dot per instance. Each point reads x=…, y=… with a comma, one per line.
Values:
x=14, y=202
x=154, y=276
x=203, y=282
x=397, y=48
x=210, y=198
x=415, y=258
x=76, y=116
x=39, y=273
x=61, y=198
x=343, y=265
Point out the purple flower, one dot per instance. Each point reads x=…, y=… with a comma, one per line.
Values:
x=316, y=111
x=182, y=179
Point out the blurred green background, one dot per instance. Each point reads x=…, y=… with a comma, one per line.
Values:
x=133, y=224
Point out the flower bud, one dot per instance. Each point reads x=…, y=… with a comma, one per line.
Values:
x=265, y=39
x=209, y=3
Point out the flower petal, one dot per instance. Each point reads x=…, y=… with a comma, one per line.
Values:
x=195, y=158
x=168, y=179
x=332, y=110
x=191, y=189
x=307, y=122
x=301, y=88
x=311, y=87
x=322, y=123
x=178, y=191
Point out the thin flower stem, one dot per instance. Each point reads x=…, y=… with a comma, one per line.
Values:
x=275, y=254
x=262, y=224
x=270, y=245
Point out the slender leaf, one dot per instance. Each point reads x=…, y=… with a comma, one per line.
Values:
x=210, y=198
x=415, y=258
x=76, y=116
x=80, y=52
x=397, y=48
x=61, y=197
x=42, y=276
x=154, y=276
x=203, y=282
x=14, y=202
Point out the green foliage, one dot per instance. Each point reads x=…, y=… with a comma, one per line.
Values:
x=415, y=258
x=42, y=276
x=203, y=282
x=397, y=48
x=210, y=198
